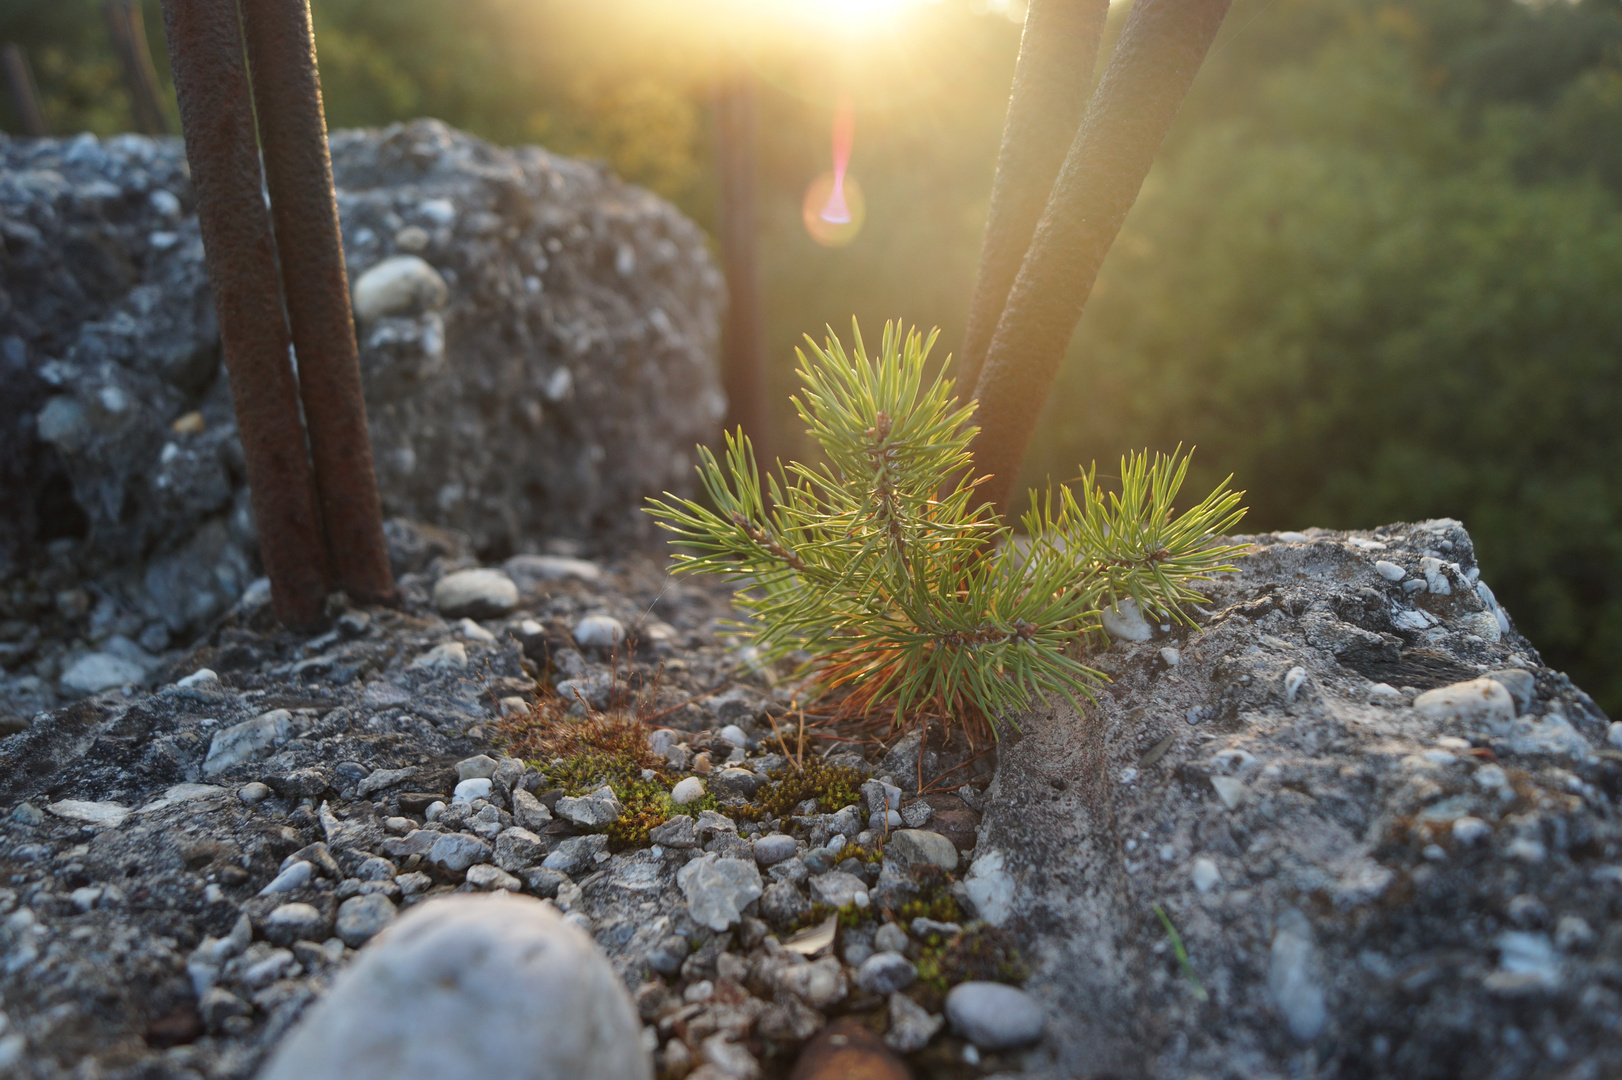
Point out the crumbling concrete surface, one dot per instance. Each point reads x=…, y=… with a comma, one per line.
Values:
x=538, y=342
x=1385, y=834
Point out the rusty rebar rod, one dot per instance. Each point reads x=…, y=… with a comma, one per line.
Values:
x=24, y=98
x=1159, y=53
x=216, y=118
x=128, y=29
x=743, y=374
x=1052, y=82
x=298, y=171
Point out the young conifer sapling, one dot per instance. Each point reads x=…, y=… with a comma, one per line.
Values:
x=906, y=592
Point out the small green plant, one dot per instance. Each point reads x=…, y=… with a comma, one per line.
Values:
x=906, y=591
x=1181, y=953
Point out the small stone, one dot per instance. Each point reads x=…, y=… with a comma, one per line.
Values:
x=399, y=285
x=94, y=672
x=1125, y=622
x=27, y=814
x=1205, y=874
x=923, y=929
x=519, y=849
x=718, y=889
x=911, y=1025
x=1468, y=830
x=487, y=878
x=885, y=972
x=687, y=791
x=382, y=780
x=599, y=808
x=295, y=876
x=1484, y=702
x=919, y=847
x=533, y=569
x=1170, y=657
x=253, y=793
x=1390, y=570
x=916, y=815
x=360, y=918
x=735, y=735
x=216, y=1005
x=1292, y=979
x=102, y=815
x=471, y=986
x=994, y=1016
x=481, y=594
x=576, y=853
x=676, y=832
x=451, y=656
x=837, y=889
x=890, y=938
x=434, y=810
x=1573, y=932
x=474, y=632
x=529, y=811
x=296, y=922
x=819, y=984
x=782, y=903
x=667, y=956
x=599, y=631
x=477, y=787
x=454, y=853
x=990, y=888
x=1294, y=680
x=1230, y=789
x=773, y=848
x=735, y=781
x=247, y=741
x=200, y=677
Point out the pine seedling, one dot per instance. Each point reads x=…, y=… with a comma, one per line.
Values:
x=905, y=591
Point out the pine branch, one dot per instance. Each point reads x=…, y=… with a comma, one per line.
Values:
x=906, y=592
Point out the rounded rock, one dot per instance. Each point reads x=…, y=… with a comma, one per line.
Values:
x=296, y=922
x=773, y=848
x=400, y=285
x=480, y=594
x=687, y=791
x=600, y=631
x=884, y=973
x=254, y=792
x=360, y=918
x=524, y=993
x=994, y=1016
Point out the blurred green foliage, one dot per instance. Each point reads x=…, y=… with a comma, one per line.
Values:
x=1377, y=273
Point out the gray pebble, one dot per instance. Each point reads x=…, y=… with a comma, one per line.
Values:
x=994, y=1016
x=886, y=972
x=361, y=917
x=773, y=848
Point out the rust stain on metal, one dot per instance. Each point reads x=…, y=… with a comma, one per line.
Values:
x=298, y=172
x=211, y=83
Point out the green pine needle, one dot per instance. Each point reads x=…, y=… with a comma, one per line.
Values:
x=902, y=589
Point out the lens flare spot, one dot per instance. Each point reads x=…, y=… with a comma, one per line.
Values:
x=825, y=228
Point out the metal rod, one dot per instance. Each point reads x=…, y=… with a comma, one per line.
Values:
x=743, y=374
x=24, y=98
x=1052, y=81
x=216, y=118
x=1159, y=53
x=298, y=170
x=128, y=29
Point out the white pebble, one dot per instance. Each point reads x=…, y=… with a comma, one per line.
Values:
x=477, y=787
x=1205, y=874
x=1294, y=679
x=601, y=631
x=687, y=791
x=1390, y=570
x=435, y=808
x=200, y=677
x=734, y=734
x=1613, y=734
